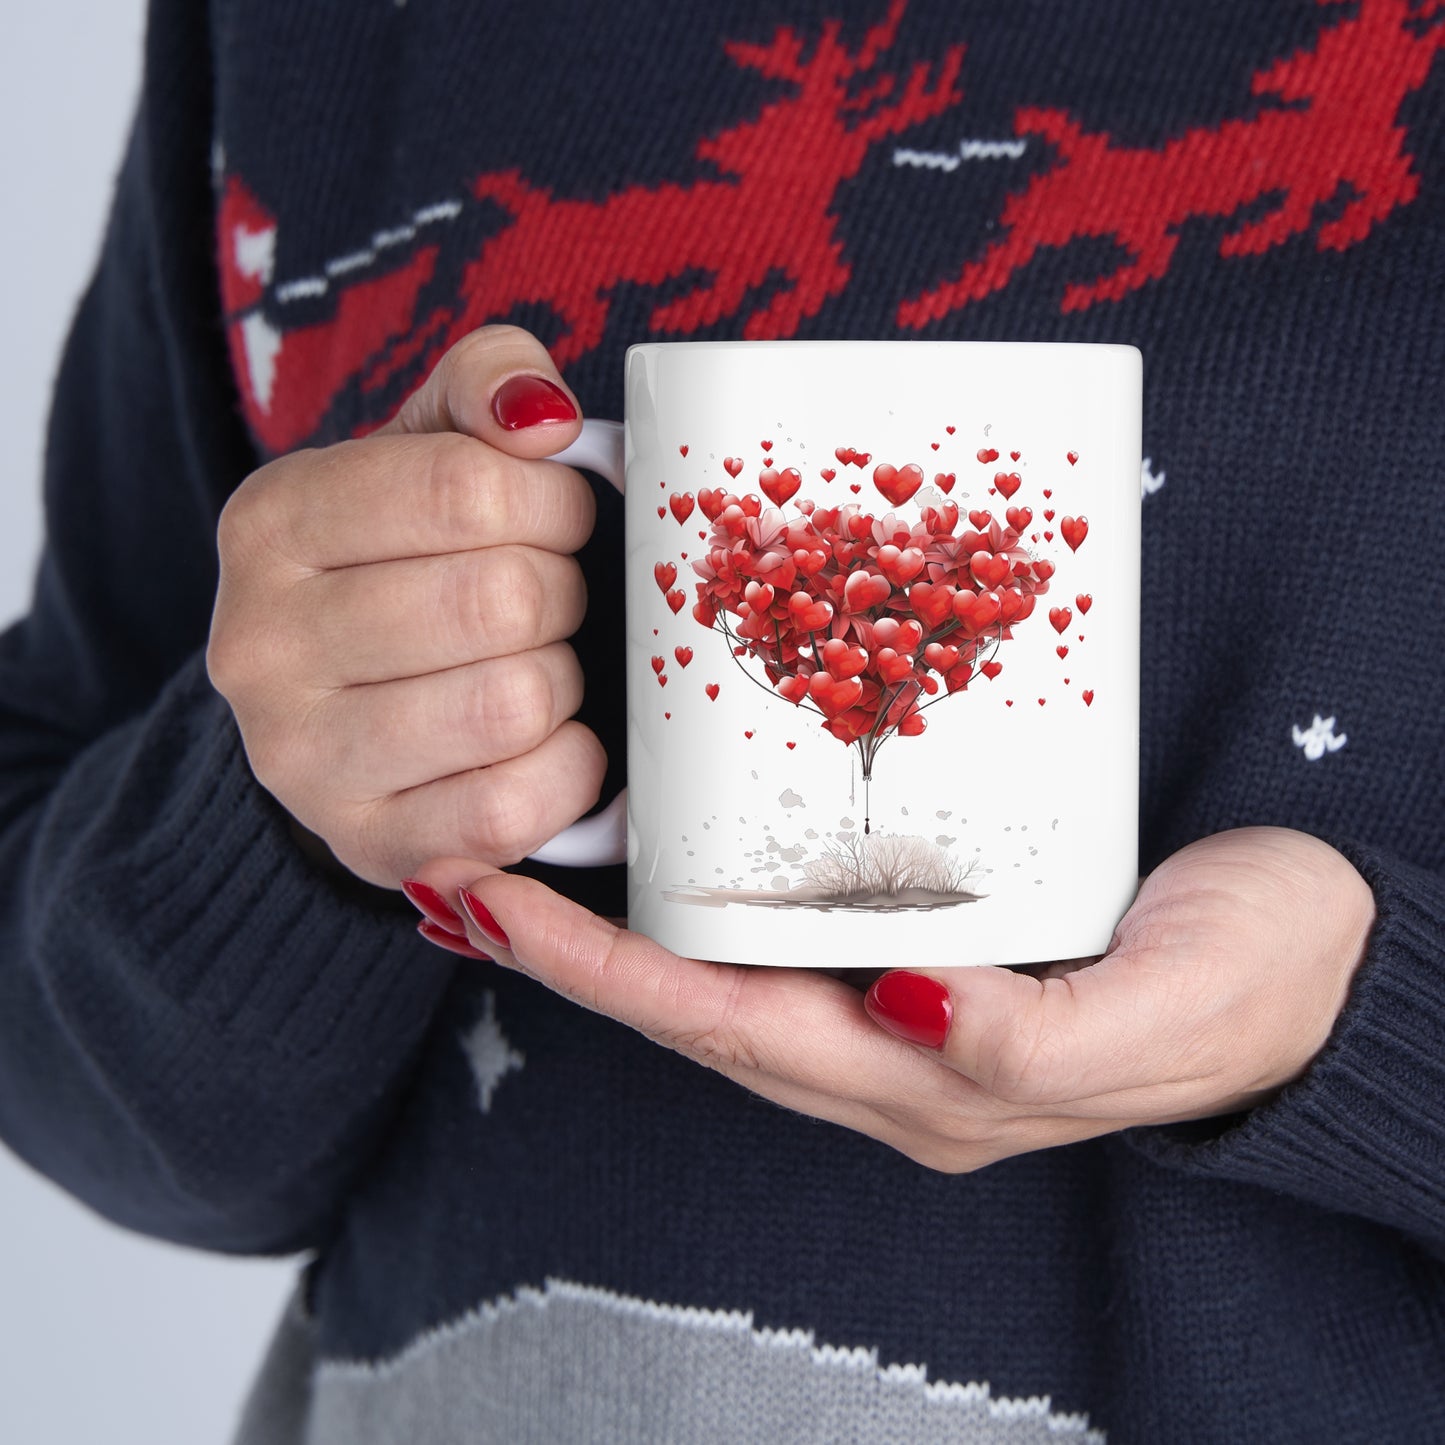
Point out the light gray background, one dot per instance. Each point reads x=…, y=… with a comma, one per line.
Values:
x=104, y=1336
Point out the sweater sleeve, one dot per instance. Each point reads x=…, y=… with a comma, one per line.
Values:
x=201, y=1036
x=1362, y=1132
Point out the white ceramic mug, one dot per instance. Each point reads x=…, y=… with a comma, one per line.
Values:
x=882, y=608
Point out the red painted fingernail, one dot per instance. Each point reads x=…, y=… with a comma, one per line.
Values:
x=913, y=1007
x=523, y=401
x=481, y=916
x=434, y=906
x=450, y=941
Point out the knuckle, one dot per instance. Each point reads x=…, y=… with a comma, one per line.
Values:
x=501, y=606
x=485, y=341
x=503, y=819
x=517, y=708
x=588, y=766
x=271, y=758
x=366, y=843
x=252, y=650
x=718, y=1043
x=467, y=497
x=1026, y=1060
x=717, y=1049
x=255, y=517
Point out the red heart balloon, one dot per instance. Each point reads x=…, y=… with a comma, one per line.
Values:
x=897, y=483
x=989, y=570
x=900, y=567
x=732, y=465
x=933, y=603
x=893, y=666
x=1084, y=601
x=939, y=657
x=677, y=600
x=1074, y=529
x=976, y=610
x=842, y=659
x=683, y=655
x=759, y=596
x=779, y=486
x=1007, y=482
x=681, y=506
x=944, y=481
x=1060, y=617
x=987, y=455
x=808, y=613
x=864, y=591
x=658, y=664
x=665, y=574
x=833, y=697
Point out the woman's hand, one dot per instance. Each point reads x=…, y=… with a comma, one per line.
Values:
x=390, y=620
x=1222, y=982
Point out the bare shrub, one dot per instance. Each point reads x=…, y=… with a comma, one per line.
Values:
x=885, y=865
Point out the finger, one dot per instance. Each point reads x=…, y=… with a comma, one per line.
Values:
x=499, y=385
x=1043, y=1043
x=403, y=496
x=497, y=814
x=406, y=618
x=388, y=737
x=794, y=1026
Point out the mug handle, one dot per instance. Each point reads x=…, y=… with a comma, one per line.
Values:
x=601, y=838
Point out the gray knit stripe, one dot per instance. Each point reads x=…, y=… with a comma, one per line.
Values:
x=572, y=1364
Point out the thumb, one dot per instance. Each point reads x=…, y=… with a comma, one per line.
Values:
x=1027, y=1040
x=499, y=385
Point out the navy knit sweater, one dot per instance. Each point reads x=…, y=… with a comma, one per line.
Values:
x=530, y=1224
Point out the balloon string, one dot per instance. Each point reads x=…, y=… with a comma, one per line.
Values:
x=867, y=806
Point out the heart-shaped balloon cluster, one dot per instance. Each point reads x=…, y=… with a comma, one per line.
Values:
x=861, y=618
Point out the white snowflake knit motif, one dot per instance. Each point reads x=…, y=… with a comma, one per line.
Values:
x=1319, y=738
x=489, y=1052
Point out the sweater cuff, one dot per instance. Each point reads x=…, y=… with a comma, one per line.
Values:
x=223, y=913
x=1362, y=1132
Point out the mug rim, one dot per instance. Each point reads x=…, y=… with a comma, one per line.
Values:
x=1093, y=348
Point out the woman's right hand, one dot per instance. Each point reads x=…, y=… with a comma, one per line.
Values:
x=390, y=620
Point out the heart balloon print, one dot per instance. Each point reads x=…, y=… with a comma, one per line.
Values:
x=864, y=620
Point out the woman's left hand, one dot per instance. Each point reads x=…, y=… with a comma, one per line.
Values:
x=1220, y=985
